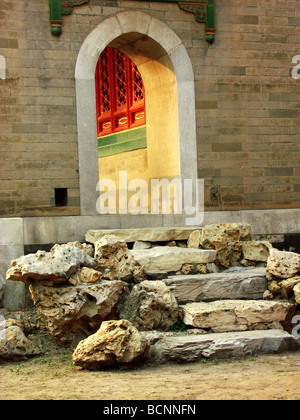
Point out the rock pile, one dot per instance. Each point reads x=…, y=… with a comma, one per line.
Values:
x=283, y=268
x=114, y=299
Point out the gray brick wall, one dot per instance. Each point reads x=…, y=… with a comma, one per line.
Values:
x=247, y=103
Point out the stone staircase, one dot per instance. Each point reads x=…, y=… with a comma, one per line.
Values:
x=226, y=317
x=224, y=312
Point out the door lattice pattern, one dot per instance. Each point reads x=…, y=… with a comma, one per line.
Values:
x=120, y=93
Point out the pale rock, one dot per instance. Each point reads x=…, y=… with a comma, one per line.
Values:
x=55, y=266
x=161, y=234
x=283, y=264
x=171, y=243
x=142, y=245
x=115, y=343
x=296, y=290
x=236, y=315
x=72, y=313
x=85, y=275
x=115, y=261
x=226, y=239
x=274, y=287
x=87, y=248
x=256, y=250
x=14, y=345
x=287, y=286
x=194, y=239
x=268, y=295
x=150, y=305
x=171, y=259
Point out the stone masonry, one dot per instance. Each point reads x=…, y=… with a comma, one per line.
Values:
x=247, y=103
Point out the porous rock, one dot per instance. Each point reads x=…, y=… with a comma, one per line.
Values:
x=14, y=345
x=287, y=286
x=115, y=343
x=283, y=264
x=72, y=313
x=296, y=290
x=84, y=275
x=256, y=250
x=55, y=266
x=115, y=261
x=226, y=239
x=150, y=305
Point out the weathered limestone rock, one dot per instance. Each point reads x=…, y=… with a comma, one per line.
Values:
x=248, y=284
x=283, y=264
x=194, y=239
x=87, y=248
x=85, y=275
x=256, y=250
x=14, y=345
x=141, y=245
x=162, y=234
x=287, y=286
x=226, y=239
x=296, y=290
x=115, y=343
x=72, y=313
x=54, y=267
x=115, y=261
x=171, y=259
x=150, y=305
x=236, y=315
x=192, y=348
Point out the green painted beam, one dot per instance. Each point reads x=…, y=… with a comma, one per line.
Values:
x=204, y=11
x=122, y=142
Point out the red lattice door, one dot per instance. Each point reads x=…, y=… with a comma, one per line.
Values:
x=120, y=93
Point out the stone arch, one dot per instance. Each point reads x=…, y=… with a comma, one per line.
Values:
x=121, y=28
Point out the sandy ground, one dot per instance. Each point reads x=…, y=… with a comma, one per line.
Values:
x=53, y=377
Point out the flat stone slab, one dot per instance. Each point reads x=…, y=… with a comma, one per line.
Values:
x=236, y=315
x=147, y=235
x=248, y=284
x=192, y=348
x=165, y=258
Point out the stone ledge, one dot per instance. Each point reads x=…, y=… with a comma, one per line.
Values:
x=192, y=348
x=248, y=284
x=150, y=235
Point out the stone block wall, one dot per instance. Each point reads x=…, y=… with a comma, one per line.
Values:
x=247, y=103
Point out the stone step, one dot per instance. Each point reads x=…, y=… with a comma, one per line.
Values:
x=192, y=348
x=237, y=315
x=161, y=234
x=171, y=259
x=247, y=284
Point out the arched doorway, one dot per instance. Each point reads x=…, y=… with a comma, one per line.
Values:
x=167, y=72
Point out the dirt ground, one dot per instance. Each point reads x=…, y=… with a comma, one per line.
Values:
x=53, y=377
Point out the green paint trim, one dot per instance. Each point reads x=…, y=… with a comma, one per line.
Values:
x=204, y=11
x=122, y=142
